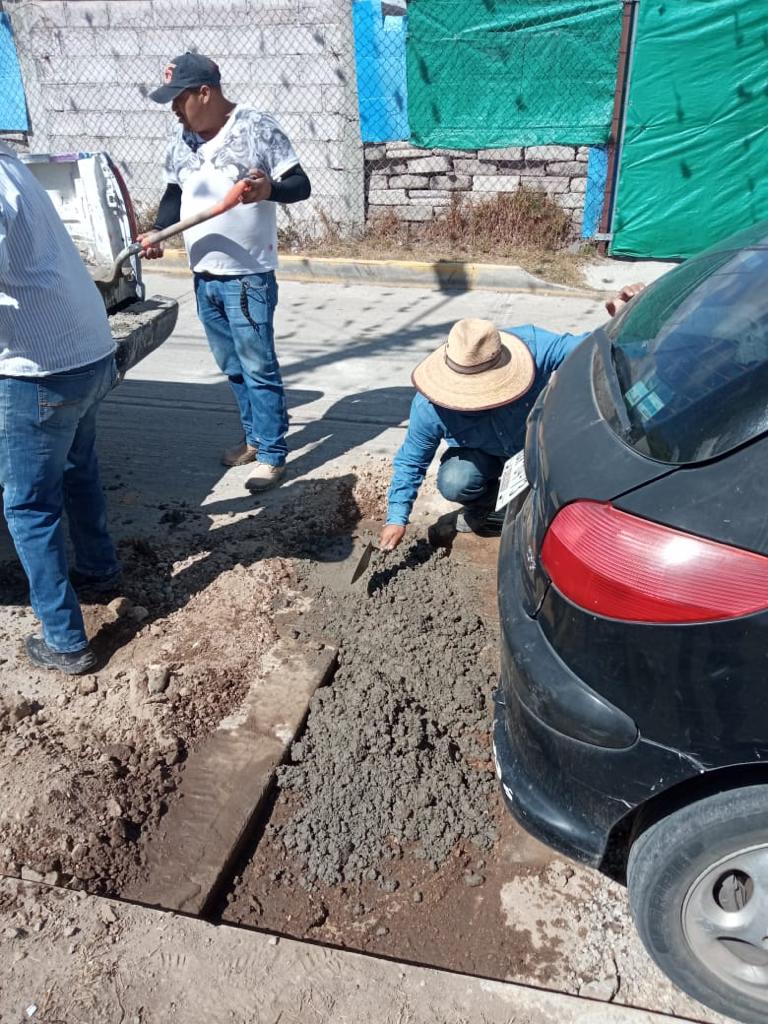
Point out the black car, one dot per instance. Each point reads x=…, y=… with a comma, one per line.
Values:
x=631, y=728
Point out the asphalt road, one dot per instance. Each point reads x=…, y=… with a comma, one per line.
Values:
x=346, y=352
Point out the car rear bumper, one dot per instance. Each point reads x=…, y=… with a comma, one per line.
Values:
x=539, y=790
x=571, y=765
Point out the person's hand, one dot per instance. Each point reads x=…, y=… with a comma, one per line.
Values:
x=261, y=186
x=391, y=536
x=151, y=252
x=627, y=293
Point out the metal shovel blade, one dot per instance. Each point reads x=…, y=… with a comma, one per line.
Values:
x=362, y=565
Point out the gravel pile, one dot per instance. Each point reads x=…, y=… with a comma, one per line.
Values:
x=395, y=753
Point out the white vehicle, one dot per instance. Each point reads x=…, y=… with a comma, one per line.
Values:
x=92, y=200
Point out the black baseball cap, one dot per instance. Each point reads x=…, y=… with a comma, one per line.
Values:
x=189, y=71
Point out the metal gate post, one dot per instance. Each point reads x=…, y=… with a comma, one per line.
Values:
x=623, y=74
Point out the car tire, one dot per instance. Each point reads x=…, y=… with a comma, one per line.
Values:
x=695, y=880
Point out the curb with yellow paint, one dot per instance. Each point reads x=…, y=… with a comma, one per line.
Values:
x=445, y=275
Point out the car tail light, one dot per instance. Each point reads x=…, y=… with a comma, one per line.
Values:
x=623, y=567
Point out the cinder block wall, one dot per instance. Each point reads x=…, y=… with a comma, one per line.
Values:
x=89, y=65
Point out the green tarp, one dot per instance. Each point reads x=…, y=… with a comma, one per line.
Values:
x=491, y=73
x=695, y=154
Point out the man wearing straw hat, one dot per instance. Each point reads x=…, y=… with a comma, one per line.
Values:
x=474, y=393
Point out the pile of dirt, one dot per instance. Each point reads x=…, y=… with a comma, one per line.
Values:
x=410, y=768
x=91, y=765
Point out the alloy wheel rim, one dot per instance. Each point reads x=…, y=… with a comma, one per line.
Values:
x=725, y=920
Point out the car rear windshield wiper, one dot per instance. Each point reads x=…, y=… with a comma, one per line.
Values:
x=605, y=346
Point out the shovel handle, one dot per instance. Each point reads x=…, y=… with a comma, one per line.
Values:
x=235, y=195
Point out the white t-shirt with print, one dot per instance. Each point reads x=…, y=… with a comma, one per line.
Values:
x=242, y=240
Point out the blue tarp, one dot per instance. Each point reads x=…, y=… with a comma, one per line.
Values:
x=597, y=171
x=13, y=104
x=381, y=81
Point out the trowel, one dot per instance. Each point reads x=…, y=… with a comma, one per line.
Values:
x=364, y=562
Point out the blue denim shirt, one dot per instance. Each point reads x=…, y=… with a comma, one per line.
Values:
x=496, y=431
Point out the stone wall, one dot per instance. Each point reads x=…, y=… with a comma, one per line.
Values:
x=88, y=66
x=416, y=184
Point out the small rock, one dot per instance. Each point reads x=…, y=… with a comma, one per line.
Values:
x=388, y=885
x=381, y=932
x=88, y=685
x=21, y=709
x=118, y=831
x=603, y=988
x=472, y=880
x=108, y=916
x=118, y=752
x=138, y=613
x=121, y=607
x=52, y=878
x=29, y=875
x=158, y=677
x=70, y=931
x=273, y=940
x=417, y=897
x=79, y=851
x=114, y=810
x=13, y=933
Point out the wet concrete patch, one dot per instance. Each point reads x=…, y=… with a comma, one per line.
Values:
x=388, y=835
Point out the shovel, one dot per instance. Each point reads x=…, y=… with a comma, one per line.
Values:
x=230, y=200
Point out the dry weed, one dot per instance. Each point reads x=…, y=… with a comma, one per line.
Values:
x=526, y=227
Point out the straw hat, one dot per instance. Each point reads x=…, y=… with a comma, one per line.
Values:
x=477, y=368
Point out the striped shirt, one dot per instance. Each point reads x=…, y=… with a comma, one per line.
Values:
x=52, y=317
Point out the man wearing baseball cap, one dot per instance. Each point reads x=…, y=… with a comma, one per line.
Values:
x=233, y=257
x=475, y=392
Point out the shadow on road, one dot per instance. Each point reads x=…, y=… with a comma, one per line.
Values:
x=160, y=445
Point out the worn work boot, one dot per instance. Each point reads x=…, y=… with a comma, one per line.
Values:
x=264, y=476
x=483, y=524
x=74, y=663
x=240, y=455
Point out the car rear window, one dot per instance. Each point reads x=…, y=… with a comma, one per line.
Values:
x=690, y=356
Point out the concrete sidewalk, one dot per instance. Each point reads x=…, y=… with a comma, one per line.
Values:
x=99, y=960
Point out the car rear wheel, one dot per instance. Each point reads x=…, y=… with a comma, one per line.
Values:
x=698, y=888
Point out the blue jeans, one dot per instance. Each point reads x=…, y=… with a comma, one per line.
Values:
x=471, y=477
x=237, y=314
x=48, y=464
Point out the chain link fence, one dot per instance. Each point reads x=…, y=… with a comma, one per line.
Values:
x=89, y=67
x=394, y=117
x=464, y=106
